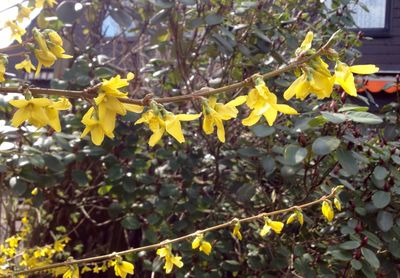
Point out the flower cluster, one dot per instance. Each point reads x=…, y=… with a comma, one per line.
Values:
x=317, y=79
x=39, y=112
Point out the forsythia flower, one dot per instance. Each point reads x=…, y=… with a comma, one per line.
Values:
x=96, y=128
x=32, y=110
x=327, y=210
x=26, y=65
x=315, y=79
x=214, y=113
x=39, y=112
x=264, y=103
x=85, y=269
x=344, y=75
x=306, y=44
x=269, y=225
x=297, y=214
x=13, y=241
x=23, y=12
x=3, y=63
x=72, y=272
x=108, y=104
x=49, y=50
x=43, y=3
x=236, y=231
x=203, y=245
x=170, y=259
x=337, y=203
x=59, y=244
x=122, y=268
x=35, y=191
x=160, y=121
x=16, y=30
x=52, y=112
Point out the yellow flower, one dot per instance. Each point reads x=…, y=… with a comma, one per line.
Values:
x=32, y=110
x=337, y=203
x=48, y=51
x=315, y=78
x=297, y=214
x=23, y=12
x=35, y=191
x=203, y=245
x=26, y=65
x=44, y=3
x=52, y=112
x=16, y=31
x=108, y=103
x=85, y=269
x=306, y=44
x=55, y=37
x=344, y=75
x=122, y=268
x=214, y=113
x=72, y=272
x=160, y=121
x=60, y=244
x=96, y=128
x=3, y=63
x=269, y=225
x=13, y=241
x=170, y=259
x=236, y=231
x=264, y=103
x=327, y=210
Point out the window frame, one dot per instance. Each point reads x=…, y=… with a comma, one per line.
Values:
x=380, y=32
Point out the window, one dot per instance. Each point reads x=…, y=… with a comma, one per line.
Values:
x=371, y=16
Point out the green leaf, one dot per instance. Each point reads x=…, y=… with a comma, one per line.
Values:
x=370, y=257
x=335, y=118
x=245, y=192
x=352, y=107
x=68, y=12
x=394, y=248
x=384, y=220
x=231, y=265
x=130, y=222
x=325, y=145
x=396, y=159
x=356, y=264
x=262, y=130
x=18, y=186
x=114, y=209
x=294, y=154
x=380, y=173
x=350, y=245
x=103, y=190
x=213, y=19
x=347, y=161
x=381, y=199
x=364, y=118
x=268, y=163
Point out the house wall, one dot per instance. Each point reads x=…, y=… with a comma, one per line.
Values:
x=385, y=51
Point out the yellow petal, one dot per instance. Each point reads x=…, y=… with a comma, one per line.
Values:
x=206, y=247
x=133, y=108
x=276, y=226
x=306, y=44
x=155, y=137
x=176, y=260
x=364, y=69
x=173, y=127
x=327, y=211
x=338, y=204
x=252, y=119
x=270, y=115
x=285, y=109
x=19, y=103
x=97, y=135
x=188, y=117
x=237, y=101
x=220, y=129
x=291, y=218
x=196, y=242
x=208, y=124
x=265, y=230
x=19, y=117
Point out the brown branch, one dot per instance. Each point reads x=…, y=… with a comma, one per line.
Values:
x=188, y=97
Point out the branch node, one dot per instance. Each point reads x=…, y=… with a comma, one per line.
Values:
x=91, y=92
x=147, y=99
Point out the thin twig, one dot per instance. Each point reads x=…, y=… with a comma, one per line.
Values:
x=178, y=239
